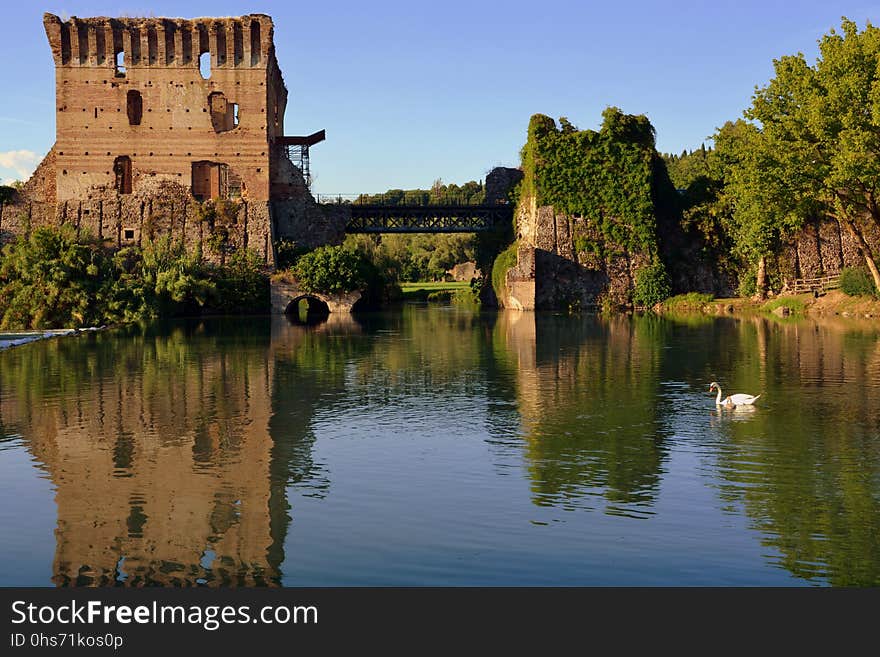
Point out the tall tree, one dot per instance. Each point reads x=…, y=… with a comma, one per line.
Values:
x=757, y=204
x=819, y=134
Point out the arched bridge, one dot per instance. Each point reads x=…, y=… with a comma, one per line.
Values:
x=400, y=213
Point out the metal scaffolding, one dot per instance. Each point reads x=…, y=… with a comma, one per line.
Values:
x=298, y=151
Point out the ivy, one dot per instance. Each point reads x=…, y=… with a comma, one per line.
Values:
x=606, y=177
x=503, y=263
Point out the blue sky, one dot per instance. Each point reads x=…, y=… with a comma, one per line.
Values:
x=410, y=92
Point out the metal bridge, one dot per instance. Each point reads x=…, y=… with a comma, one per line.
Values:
x=418, y=213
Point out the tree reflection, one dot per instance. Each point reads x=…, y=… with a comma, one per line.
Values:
x=179, y=453
x=806, y=468
x=588, y=411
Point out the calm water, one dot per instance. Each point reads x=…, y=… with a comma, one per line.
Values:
x=434, y=446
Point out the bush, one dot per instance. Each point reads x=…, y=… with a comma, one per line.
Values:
x=651, y=285
x=503, y=263
x=52, y=278
x=795, y=305
x=333, y=270
x=748, y=285
x=692, y=301
x=440, y=296
x=287, y=253
x=856, y=281
x=162, y=279
x=242, y=286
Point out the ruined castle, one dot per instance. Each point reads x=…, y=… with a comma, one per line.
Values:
x=155, y=116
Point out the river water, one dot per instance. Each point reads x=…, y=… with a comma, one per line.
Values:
x=434, y=446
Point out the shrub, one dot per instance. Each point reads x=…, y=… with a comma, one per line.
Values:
x=503, y=263
x=687, y=302
x=52, y=278
x=856, y=281
x=651, y=285
x=748, y=285
x=795, y=305
x=332, y=270
x=162, y=279
x=219, y=215
x=440, y=296
x=242, y=286
x=287, y=253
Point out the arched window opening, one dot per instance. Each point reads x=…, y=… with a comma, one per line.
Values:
x=100, y=46
x=83, y=36
x=122, y=173
x=170, y=51
x=135, y=54
x=224, y=115
x=187, y=46
x=135, y=107
x=205, y=65
x=237, y=44
x=65, y=43
x=221, y=44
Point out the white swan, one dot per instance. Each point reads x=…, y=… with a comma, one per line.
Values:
x=733, y=400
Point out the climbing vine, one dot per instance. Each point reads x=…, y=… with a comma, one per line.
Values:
x=606, y=177
x=219, y=216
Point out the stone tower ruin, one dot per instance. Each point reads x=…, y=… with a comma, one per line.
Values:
x=155, y=116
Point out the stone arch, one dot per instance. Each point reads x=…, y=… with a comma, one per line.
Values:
x=284, y=294
x=307, y=309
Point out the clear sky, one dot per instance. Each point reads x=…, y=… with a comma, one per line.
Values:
x=410, y=92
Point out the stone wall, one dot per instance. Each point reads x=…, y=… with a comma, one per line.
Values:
x=499, y=182
x=161, y=207
x=823, y=247
x=551, y=272
x=297, y=217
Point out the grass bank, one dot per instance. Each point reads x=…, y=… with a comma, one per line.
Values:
x=432, y=290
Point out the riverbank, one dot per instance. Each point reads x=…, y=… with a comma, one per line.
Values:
x=16, y=338
x=833, y=303
x=432, y=291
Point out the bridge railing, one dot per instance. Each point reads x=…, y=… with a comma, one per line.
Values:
x=420, y=199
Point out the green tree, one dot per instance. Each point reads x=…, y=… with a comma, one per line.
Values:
x=161, y=279
x=52, y=278
x=756, y=204
x=332, y=269
x=815, y=145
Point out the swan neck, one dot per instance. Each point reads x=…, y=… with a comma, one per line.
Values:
x=718, y=398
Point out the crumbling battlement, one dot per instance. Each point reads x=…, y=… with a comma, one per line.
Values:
x=244, y=41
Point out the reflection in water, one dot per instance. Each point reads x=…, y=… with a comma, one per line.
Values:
x=159, y=448
x=259, y=452
x=807, y=469
x=591, y=429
